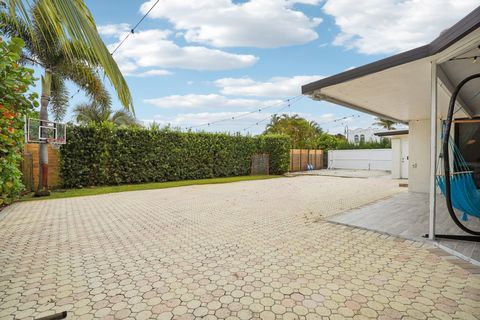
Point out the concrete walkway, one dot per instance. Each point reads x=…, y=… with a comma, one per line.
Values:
x=258, y=249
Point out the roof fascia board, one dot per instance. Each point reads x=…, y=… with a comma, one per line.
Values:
x=456, y=32
x=446, y=39
x=391, y=133
x=399, y=59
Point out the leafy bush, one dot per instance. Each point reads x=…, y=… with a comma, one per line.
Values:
x=104, y=155
x=382, y=144
x=15, y=102
x=327, y=142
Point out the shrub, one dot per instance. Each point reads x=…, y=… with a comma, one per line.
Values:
x=15, y=102
x=382, y=144
x=104, y=155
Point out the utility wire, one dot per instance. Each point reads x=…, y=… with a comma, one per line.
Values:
x=132, y=31
x=289, y=105
x=340, y=119
x=243, y=115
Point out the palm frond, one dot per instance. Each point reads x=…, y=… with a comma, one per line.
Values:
x=71, y=21
x=87, y=79
x=123, y=118
x=12, y=27
x=85, y=113
x=59, y=97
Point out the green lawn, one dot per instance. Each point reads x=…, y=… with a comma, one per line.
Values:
x=58, y=194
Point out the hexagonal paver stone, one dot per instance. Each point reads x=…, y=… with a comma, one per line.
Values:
x=267, y=315
x=165, y=316
x=245, y=314
x=256, y=307
x=200, y=311
x=122, y=314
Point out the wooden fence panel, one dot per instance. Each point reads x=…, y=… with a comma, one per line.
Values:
x=31, y=152
x=300, y=158
x=26, y=166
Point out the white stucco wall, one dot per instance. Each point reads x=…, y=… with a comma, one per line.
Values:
x=362, y=159
x=369, y=134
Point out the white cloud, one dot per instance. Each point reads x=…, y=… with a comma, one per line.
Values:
x=154, y=49
x=150, y=73
x=219, y=121
x=223, y=23
x=274, y=87
x=389, y=26
x=207, y=101
x=113, y=30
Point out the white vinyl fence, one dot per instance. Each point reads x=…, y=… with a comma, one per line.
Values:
x=363, y=159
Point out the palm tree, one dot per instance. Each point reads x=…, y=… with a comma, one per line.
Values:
x=70, y=21
x=85, y=113
x=384, y=123
x=61, y=37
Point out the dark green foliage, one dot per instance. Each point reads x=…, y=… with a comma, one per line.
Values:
x=383, y=144
x=302, y=133
x=105, y=155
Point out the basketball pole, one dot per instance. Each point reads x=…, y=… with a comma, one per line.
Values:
x=42, y=189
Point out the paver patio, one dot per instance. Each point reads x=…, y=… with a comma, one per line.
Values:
x=258, y=249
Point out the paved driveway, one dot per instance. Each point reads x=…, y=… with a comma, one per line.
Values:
x=244, y=250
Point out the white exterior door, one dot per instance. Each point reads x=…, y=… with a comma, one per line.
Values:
x=404, y=158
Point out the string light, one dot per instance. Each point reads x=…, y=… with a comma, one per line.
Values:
x=259, y=110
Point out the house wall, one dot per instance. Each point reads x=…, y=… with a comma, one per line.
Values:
x=419, y=154
x=369, y=134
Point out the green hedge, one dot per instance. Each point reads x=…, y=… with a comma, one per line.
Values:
x=103, y=155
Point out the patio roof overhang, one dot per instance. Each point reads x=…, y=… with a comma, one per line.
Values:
x=414, y=85
x=399, y=87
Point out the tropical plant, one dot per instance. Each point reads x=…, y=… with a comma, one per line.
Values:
x=327, y=141
x=61, y=37
x=86, y=113
x=15, y=102
x=385, y=123
x=72, y=24
x=303, y=133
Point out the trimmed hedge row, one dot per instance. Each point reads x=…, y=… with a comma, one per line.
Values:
x=103, y=155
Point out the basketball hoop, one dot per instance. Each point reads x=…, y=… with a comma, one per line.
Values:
x=55, y=143
x=44, y=131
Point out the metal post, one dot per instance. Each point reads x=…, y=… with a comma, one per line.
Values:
x=433, y=151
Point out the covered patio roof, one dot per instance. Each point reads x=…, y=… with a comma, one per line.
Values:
x=399, y=87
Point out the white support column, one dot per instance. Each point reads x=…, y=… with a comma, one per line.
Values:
x=433, y=151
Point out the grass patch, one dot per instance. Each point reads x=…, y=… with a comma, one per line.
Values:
x=91, y=191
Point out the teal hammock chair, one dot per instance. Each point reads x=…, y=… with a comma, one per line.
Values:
x=458, y=186
x=464, y=193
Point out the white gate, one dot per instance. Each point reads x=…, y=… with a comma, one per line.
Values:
x=361, y=159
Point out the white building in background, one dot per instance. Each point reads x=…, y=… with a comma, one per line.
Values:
x=362, y=135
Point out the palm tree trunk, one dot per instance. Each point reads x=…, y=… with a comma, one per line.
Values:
x=42, y=189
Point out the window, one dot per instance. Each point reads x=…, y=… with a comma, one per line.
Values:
x=356, y=138
x=362, y=138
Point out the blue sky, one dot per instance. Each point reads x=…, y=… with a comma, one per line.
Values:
x=194, y=62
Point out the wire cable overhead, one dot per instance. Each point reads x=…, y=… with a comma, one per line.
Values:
x=132, y=31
